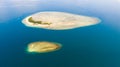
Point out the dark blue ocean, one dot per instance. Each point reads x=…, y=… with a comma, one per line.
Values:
x=91, y=46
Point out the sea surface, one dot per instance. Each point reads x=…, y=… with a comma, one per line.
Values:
x=91, y=46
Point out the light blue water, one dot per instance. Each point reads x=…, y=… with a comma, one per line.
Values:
x=92, y=46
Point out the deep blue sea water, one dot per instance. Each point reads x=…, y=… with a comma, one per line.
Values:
x=91, y=46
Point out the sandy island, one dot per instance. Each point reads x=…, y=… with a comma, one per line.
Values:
x=43, y=47
x=59, y=20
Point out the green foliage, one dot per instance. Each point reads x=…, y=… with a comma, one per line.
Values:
x=37, y=22
x=31, y=20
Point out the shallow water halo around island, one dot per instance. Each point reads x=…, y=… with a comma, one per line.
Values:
x=92, y=46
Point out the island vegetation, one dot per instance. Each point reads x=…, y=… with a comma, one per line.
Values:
x=37, y=22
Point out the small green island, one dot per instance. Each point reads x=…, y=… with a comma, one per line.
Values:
x=43, y=47
x=37, y=22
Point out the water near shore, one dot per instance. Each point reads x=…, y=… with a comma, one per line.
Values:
x=91, y=46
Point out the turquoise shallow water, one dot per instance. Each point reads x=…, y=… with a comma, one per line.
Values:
x=92, y=46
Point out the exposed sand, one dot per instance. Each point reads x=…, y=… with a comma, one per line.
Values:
x=43, y=47
x=60, y=20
